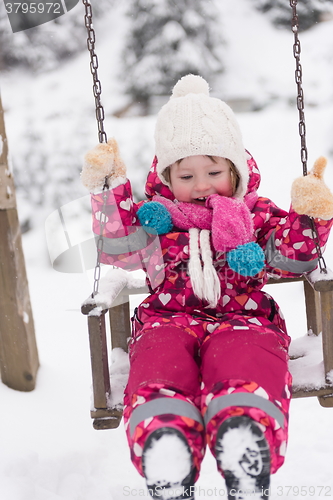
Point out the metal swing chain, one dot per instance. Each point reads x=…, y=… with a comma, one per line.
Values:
x=100, y=241
x=97, y=90
x=298, y=80
x=301, y=125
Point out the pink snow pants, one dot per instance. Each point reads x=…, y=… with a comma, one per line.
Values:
x=178, y=379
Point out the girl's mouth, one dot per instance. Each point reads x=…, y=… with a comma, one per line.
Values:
x=201, y=200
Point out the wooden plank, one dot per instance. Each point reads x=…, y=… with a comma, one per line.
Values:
x=327, y=322
x=313, y=309
x=326, y=401
x=120, y=325
x=304, y=393
x=105, y=417
x=274, y=281
x=321, y=285
x=108, y=418
x=99, y=361
x=108, y=422
x=87, y=307
x=115, y=411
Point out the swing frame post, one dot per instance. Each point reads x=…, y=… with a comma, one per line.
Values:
x=19, y=361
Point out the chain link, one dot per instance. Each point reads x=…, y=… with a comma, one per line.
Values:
x=100, y=241
x=298, y=80
x=301, y=125
x=97, y=88
x=315, y=236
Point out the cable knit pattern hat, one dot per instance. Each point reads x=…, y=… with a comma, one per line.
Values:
x=193, y=123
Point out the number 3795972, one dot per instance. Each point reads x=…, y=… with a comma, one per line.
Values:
x=304, y=491
x=33, y=8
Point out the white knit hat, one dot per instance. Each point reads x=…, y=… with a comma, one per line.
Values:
x=192, y=123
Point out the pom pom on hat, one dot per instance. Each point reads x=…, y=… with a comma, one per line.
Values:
x=155, y=218
x=247, y=260
x=190, y=84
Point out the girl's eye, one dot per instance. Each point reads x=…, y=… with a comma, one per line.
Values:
x=215, y=173
x=186, y=177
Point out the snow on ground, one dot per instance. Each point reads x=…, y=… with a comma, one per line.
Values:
x=48, y=448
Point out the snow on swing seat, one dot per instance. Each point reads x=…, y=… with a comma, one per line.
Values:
x=306, y=363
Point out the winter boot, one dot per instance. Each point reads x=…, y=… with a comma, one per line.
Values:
x=168, y=465
x=242, y=452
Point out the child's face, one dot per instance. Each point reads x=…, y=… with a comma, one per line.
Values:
x=194, y=178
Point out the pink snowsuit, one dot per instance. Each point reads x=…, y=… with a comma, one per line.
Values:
x=191, y=366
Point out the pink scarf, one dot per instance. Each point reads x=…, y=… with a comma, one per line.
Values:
x=228, y=219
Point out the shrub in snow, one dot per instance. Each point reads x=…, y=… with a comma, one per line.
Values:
x=168, y=39
x=310, y=12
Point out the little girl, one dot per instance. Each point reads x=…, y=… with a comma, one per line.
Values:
x=209, y=349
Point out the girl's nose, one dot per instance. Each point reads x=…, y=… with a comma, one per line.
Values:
x=202, y=185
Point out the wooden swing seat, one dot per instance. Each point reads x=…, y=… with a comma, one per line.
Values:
x=107, y=414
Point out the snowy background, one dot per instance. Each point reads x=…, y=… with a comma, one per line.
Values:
x=48, y=448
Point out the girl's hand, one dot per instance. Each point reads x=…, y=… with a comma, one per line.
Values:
x=310, y=195
x=103, y=164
